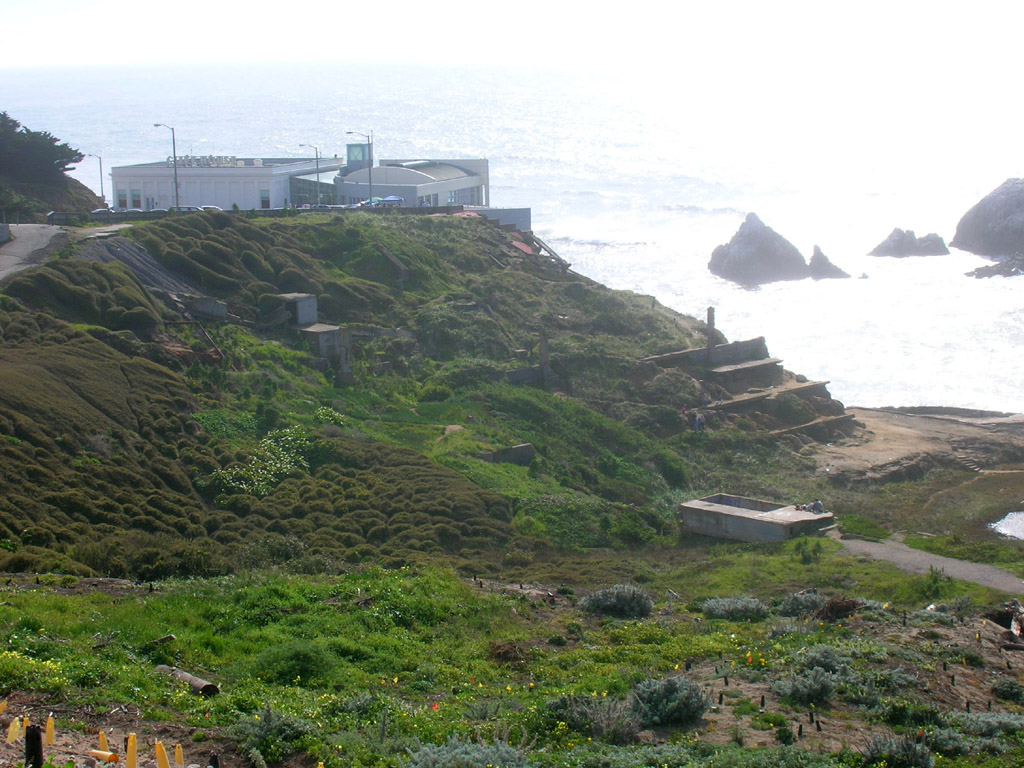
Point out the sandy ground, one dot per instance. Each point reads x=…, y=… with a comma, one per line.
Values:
x=893, y=437
x=893, y=441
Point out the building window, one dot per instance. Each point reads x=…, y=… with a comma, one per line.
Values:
x=136, y=198
x=452, y=196
x=264, y=198
x=122, y=198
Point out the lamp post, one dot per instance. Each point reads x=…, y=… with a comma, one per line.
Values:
x=316, y=150
x=174, y=149
x=369, y=152
x=102, y=195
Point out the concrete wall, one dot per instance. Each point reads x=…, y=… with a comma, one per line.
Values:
x=721, y=354
x=5, y=233
x=711, y=523
x=520, y=218
x=222, y=185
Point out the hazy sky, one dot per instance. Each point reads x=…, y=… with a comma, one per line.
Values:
x=931, y=49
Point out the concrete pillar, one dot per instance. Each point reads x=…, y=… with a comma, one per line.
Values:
x=711, y=335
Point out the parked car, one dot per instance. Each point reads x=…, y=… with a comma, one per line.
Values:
x=185, y=209
x=211, y=207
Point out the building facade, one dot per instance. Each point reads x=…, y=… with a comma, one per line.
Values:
x=225, y=181
x=418, y=182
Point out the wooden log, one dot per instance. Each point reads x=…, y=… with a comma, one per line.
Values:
x=199, y=686
x=1012, y=646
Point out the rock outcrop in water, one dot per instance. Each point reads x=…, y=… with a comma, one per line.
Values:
x=995, y=226
x=823, y=269
x=1012, y=266
x=756, y=255
x=901, y=243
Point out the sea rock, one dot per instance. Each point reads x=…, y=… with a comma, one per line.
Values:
x=1010, y=267
x=823, y=269
x=995, y=226
x=757, y=255
x=905, y=243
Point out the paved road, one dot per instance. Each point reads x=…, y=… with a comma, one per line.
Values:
x=31, y=245
x=916, y=561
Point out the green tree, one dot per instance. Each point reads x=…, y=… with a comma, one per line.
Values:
x=33, y=155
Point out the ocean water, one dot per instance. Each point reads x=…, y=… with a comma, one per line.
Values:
x=635, y=185
x=1012, y=525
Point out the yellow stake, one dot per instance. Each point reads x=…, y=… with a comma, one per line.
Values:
x=24, y=723
x=13, y=731
x=161, y=755
x=3, y=706
x=130, y=755
x=50, y=740
x=179, y=756
x=103, y=741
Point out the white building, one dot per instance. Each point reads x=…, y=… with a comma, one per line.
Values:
x=225, y=181
x=418, y=182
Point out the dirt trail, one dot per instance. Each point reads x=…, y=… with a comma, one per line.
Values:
x=916, y=561
x=899, y=444
x=31, y=244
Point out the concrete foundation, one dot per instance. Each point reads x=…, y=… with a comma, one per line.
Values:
x=737, y=517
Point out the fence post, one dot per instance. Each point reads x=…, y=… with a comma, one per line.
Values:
x=33, y=747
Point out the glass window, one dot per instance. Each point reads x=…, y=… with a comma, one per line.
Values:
x=136, y=198
x=122, y=198
x=264, y=198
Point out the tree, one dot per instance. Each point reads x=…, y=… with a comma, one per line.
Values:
x=33, y=155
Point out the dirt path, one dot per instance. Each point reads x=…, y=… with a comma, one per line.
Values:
x=31, y=244
x=902, y=444
x=917, y=561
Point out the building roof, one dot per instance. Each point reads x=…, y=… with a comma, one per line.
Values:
x=754, y=509
x=435, y=170
x=415, y=172
x=231, y=161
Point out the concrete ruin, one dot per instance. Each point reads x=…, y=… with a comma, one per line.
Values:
x=736, y=517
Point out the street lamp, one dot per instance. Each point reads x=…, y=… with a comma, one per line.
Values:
x=174, y=150
x=316, y=150
x=369, y=152
x=90, y=154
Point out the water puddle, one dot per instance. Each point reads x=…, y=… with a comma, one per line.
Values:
x=1012, y=525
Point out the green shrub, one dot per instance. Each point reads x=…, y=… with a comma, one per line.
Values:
x=908, y=713
x=623, y=600
x=815, y=686
x=272, y=735
x=825, y=657
x=609, y=720
x=735, y=608
x=898, y=753
x=1009, y=690
x=456, y=753
x=299, y=662
x=672, y=700
x=948, y=742
x=784, y=735
x=793, y=410
x=799, y=604
x=987, y=723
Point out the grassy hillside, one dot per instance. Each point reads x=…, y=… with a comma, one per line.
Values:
x=417, y=667
x=121, y=433
x=369, y=589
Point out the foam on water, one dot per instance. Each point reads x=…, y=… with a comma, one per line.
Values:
x=1012, y=525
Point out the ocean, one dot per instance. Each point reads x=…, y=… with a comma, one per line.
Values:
x=635, y=185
